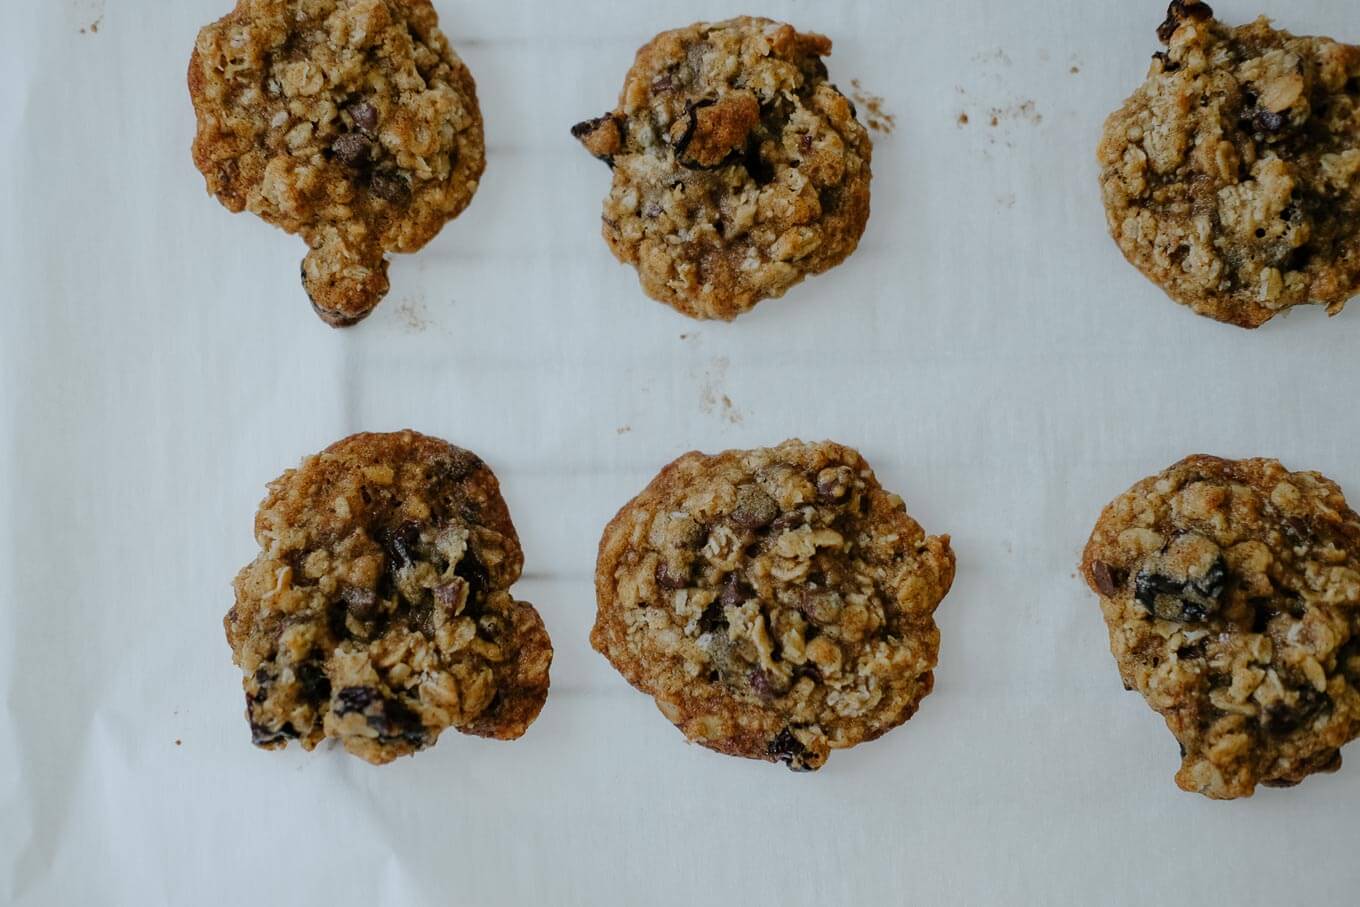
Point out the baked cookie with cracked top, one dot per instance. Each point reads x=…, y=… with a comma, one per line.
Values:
x=1231, y=178
x=349, y=122
x=777, y=603
x=378, y=610
x=1231, y=590
x=738, y=168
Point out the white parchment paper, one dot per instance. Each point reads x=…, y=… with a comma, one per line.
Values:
x=987, y=349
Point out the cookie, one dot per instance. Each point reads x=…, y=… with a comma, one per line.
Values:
x=377, y=612
x=1231, y=178
x=738, y=169
x=349, y=122
x=1231, y=590
x=777, y=603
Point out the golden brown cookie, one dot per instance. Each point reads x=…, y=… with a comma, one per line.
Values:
x=1231, y=589
x=738, y=168
x=1231, y=178
x=777, y=603
x=349, y=122
x=378, y=610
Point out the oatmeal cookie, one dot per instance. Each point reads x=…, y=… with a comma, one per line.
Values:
x=349, y=122
x=777, y=603
x=1231, y=178
x=378, y=610
x=738, y=169
x=1231, y=589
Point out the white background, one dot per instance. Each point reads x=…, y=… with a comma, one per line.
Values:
x=987, y=349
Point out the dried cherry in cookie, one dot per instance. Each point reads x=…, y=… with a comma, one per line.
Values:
x=378, y=610
x=1231, y=590
x=777, y=603
x=349, y=122
x=1231, y=178
x=738, y=168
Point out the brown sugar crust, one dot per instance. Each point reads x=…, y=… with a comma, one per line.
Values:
x=349, y=122
x=1231, y=178
x=777, y=603
x=738, y=168
x=1231, y=590
x=377, y=611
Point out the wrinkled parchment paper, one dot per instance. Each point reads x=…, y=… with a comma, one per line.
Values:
x=987, y=349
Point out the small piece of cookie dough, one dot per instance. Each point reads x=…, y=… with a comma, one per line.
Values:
x=349, y=122
x=377, y=611
x=1231, y=590
x=777, y=603
x=738, y=169
x=1231, y=178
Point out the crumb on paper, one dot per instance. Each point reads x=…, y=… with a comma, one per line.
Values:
x=1024, y=111
x=1075, y=70
x=413, y=315
x=713, y=398
x=624, y=429
x=963, y=119
x=178, y=742
x=875, y=117
x=1006, y=200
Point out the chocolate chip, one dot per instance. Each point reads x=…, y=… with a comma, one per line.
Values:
x=1108, y=579
x=361, y=603
x=398, y=721
x=1185, y=601
x=1184, y=582
x=1281, y=719
x=760, y=683
x=805, y=143
x=788, y=749
x=664, y=82
x=755, y=509
x=352, y=148
x=365, y=116
x=471, y=571
x=262, y=735
x=760, y=171
x=390, y=187
x=669, y=578
x=1270, y=122
x=833, y=484
x=1179, y=12
x=450, y=595
x=733, y=593
x=316, y=686
x=713, y=619
x=356, y=699
x=786, y=521
x=401, y=543
x=1168, y=64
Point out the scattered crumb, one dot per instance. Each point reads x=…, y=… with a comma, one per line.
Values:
x=686, y=336
x=713, y=399
x=963, y=119
x=1024, y=110
x=1075, y=70
x=413, y=315
x=1006, y=200
x=998, y=55
x=875, y=117
x=179, y=742
x=623, y=430
x=93, y=27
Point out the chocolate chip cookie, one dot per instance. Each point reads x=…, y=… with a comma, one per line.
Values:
x=777, y=603
x=377, y=611
x=738, y=168
x=349, y=122
x=1231, y=178
x=1231, y=589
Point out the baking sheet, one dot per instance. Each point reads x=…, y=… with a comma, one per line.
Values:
x=987, y=349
